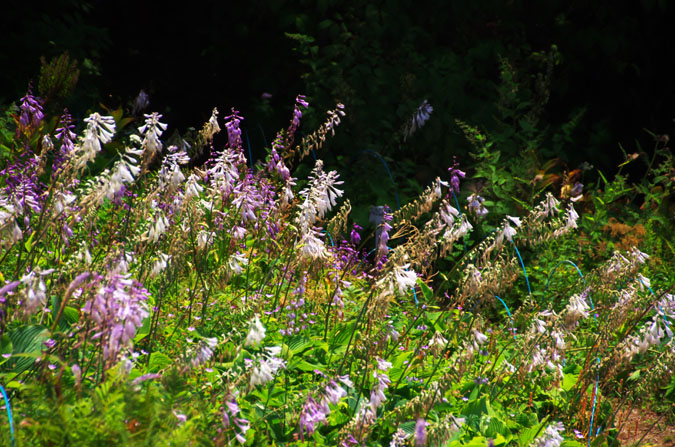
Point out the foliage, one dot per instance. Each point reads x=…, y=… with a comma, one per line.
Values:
x=147, y=302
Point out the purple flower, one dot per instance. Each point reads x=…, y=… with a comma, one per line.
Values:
x=295, y=121
x=67, y=137
x=418, y=119
x=420, y=432
x=144, y=377
x=312, y=414
x=355, y=237
x=381, y=217
x=233, y=130
x=476, y=205
x=455, y=175
x=141, y=102
x=117, y=310
x=31, y=111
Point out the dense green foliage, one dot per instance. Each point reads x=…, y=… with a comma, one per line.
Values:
x=145, y=302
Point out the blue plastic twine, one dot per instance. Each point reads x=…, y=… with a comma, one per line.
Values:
x=250, y=153
x=513, y=329
x=391, y=177
x=9, y=414
x=556, y=267
x=522, y=264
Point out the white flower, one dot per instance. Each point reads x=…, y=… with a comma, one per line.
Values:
x=311, y=247
x=405, y=279
x=515, y=220
x=151, y=131
x=551, y=436
x=256, y=334
x=448, y=214
x=479, y=337
x=192, y=187
x=160, y=264
x=268, y=366
x=576, y=309
x=159, y=227
x=572, y=217
x=550, y=205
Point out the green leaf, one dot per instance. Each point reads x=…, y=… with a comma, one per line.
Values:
x=302, y=365
x=27, y=340
x=5, y=347
x=29, y=242
x=144, y=330
x=426, y=291
x=299, y=343
x=158, y=361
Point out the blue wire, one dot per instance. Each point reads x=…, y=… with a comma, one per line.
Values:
x=597, y=375
x=262, y=131
x=523, y=266
x=9, y=414
x=250, y=154
x=513, y=329
x=595, y=400
x=556, y=267
x=391, y=177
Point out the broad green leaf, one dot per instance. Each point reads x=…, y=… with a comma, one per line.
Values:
x=27, y=340
x=158, y=361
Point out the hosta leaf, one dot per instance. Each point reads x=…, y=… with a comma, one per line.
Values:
x=27, y=340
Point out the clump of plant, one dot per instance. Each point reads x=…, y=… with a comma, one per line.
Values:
x=148, y=302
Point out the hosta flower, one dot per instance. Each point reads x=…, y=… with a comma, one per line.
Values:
x=267, y=367
x=448, y=214
x=158, y=227
x=117, y=310
x=256, y=333
x=399, y=438
x=151, y=131
x=203, y=352
x=297, y=114
x=420, y=432
x=405, y=279
x=551, y=436
x=455, y=175
x=141, y=102
x=476, y=205
x=159, y=264
x=572, y=217
x=311, y=247
x=418, y=119
x=31, y=111
x=313, y=413
x=550, y=205
x=233, y=130
x=35, y=292
x=334, y=392
x=575, y=310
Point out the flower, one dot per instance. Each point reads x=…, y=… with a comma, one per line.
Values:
x=476, y=205
x=405, y=279
x=420, y=432
x=151, y=131
x=256, y=333
x=233, y=130
x=141, y=102
x=117, y=309
x=551, y=436
x=31, y=111
x=455, y=175
x=267, y=366
x=420, y=116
